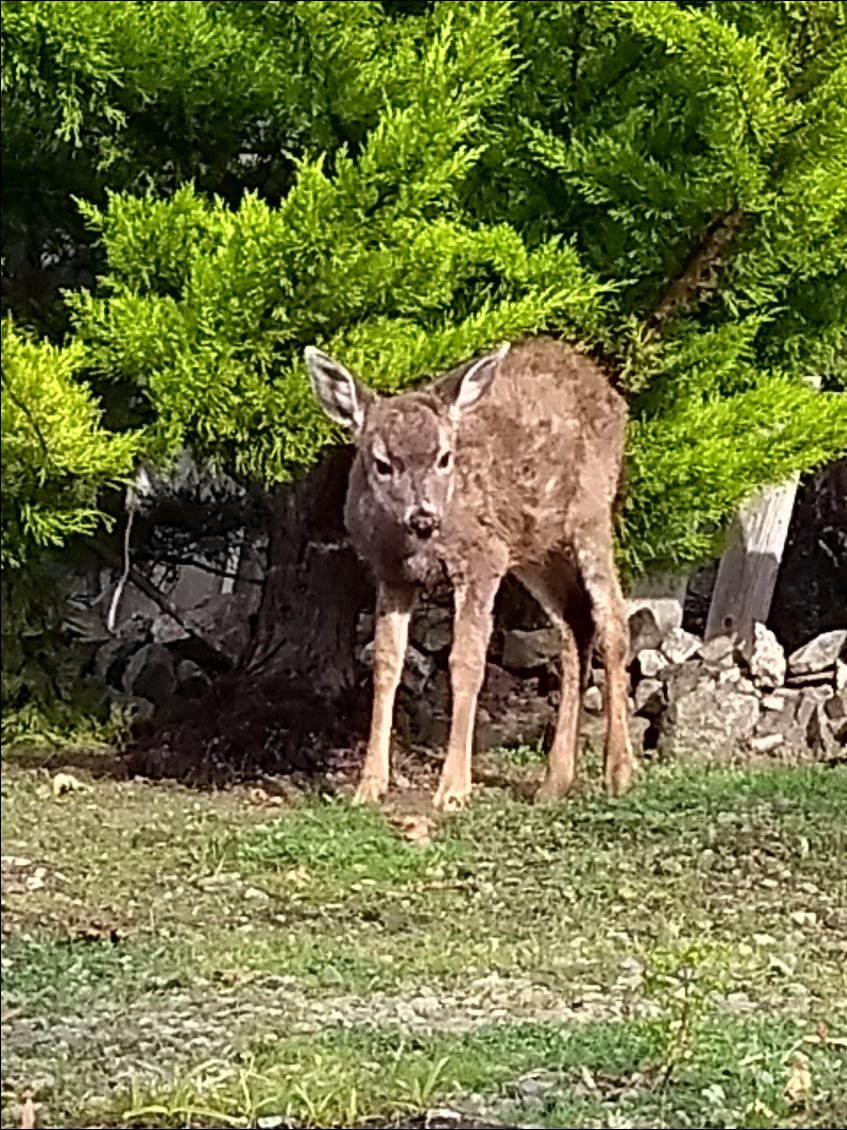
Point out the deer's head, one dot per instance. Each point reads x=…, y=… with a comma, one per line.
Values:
x=406, y=444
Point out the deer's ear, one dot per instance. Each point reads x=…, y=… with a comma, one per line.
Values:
x=342, y=397
x=464, y=388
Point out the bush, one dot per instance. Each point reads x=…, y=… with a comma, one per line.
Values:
x=57, y=457
x=660, y=182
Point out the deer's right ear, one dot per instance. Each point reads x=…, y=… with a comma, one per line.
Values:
x=337, y=391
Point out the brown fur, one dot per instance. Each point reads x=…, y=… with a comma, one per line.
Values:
x=536, y=466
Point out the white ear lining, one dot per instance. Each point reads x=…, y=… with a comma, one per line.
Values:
x=474, y=383
x=335, y=389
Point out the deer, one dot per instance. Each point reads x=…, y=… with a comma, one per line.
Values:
x=511, y=463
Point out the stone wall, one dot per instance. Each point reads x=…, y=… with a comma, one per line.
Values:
x=716, y=699
x=183, y=622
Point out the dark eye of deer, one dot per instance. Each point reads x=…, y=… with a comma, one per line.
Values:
x=444, y=461
x=383, y=467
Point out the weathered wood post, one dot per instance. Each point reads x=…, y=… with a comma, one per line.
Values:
x=749, y=568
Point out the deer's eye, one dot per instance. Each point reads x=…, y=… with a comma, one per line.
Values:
x=444, y=460
x=383, y=467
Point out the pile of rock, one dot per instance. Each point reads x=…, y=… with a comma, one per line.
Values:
x=723, y=696
x=154, y=662
x=718, y=698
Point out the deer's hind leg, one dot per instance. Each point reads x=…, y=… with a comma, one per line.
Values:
x=597, y=570
x=557, y=589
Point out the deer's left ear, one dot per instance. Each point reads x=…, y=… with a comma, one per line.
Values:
x=342, y=397
x=464, y=388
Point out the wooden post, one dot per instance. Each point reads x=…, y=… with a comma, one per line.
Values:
x=749, y=568
x=747, y=574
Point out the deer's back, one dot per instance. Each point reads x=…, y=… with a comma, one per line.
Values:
x=540, y=456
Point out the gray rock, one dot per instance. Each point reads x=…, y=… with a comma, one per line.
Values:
x=111, y=657
x=718, y=653
x=417, y=669
x=150, y=673
x=523, y=720
x=418, y=666
x=536, y=1086
x=592, y=729
x=500, y=684
x=192, y=680
x=679, y=645
x=110, y=660
x=836, y=707
x=681, y=678
x=644, y=632
x=423, y=723
x=793, y=719
x=650, y=697
x=708, y=719
x=432, y=629
x=777, y=700
x=840, y=675
x=638, y=728
x=142, y=709
x=650, y=662
x=525, y=651
x=746, y=685
x=85, y=623
x=807, y=703
x=592, y=700
x=224, y=621
x=819, y=654
x=765, y=658
x=438, y=690
x=820, y=734
x=811, y=679
x=165, y=629
x=765, y=743
x=782, y=723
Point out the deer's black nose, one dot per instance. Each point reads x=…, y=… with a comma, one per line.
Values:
x=422, y=523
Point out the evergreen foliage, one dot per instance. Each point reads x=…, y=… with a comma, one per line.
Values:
x=406, y=184
x=57, y=456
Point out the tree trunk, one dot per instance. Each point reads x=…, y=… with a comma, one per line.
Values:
x=314, y=588
x=294, y=697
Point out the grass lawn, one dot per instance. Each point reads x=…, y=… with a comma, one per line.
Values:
x=177, y=958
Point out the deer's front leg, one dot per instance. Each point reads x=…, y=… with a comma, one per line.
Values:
x=391, y=632
x=471, y=633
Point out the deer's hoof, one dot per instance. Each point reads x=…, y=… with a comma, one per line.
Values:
x=450, y=798
x=371, y=790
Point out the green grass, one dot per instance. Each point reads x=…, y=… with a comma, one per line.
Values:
x=556, y=1076
x=199, y=953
